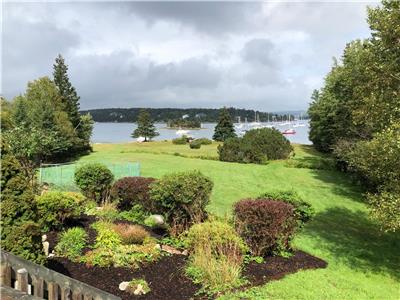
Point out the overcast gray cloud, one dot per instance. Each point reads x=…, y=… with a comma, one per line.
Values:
x=267, y=56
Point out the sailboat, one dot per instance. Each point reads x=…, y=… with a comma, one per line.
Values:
x=299, y=124
x=289, y=130
x=256, y=124
x=268, y=125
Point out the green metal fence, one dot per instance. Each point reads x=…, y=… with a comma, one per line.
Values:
x=61, y=176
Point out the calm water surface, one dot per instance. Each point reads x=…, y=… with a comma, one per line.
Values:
x=121, y=132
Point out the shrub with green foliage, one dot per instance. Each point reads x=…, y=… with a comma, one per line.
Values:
x=55, y=207
x=136, y=214
x=71, y=243
x=385, y=208
x=216, y=256
x=130, y=191
x=220, y=236
x=256, y=146
x=204, y=141
x=269, y=141
x=266, y=226
x=109, y=249
x=94, y=180
x=25, y=240
x=106, y=236
x=183, y=140
x=195, y=144
x=303, y=210
x=183, y=198
x=376, y=162
x=20, y=234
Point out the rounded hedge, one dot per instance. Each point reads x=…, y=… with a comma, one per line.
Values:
x=94, y=180
x=256, y=146
x=183, y=198
x=266, y=226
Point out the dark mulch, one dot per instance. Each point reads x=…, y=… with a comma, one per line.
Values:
x=276, y=267
x=166, y=277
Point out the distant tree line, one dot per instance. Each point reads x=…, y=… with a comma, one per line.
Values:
x=356, y=114
x=168, y=114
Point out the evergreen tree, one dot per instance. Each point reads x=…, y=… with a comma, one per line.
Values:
x=82, y=125
x=146, y=126
x=68, y=93
x=224, y=129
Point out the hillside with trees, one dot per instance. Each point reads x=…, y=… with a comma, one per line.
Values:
x=356, y=115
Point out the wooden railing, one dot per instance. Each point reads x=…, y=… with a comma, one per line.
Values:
x=27, y=278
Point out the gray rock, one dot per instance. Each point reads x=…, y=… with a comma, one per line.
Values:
x=155, y=221
x=123, y=285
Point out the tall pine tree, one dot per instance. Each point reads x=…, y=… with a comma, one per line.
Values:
x=68, y=93
x=146, y=126
x=224, y=129
x=83, y=125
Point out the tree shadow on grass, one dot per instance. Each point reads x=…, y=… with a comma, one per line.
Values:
x=356, y=241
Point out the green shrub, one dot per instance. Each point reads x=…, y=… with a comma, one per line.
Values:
x=25, y=240
x=136, y=214
x=183, y=198
x=204, y=141
x=20, y=234
x=216, y=256
x=256, y=146
x=106, y=237
x=266, y=226
x=72, y=243
x=94, y=180
x=232, y=151
x=385, y=208
x=220, y=236
x=303, y=210
x=109, y=251
x=129, y=191
x=55, y=208
x=195, y=144
x=183, y=140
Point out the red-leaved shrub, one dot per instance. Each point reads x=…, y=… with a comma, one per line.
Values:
x=267, y=226
x=129, y=191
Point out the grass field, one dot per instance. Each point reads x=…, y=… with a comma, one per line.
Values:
x=363, y=263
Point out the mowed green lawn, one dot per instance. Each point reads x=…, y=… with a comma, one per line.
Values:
x=363, y=263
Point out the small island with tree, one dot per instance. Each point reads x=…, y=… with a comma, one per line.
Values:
x=184, y=123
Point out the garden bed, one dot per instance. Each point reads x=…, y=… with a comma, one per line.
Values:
x=166, y=277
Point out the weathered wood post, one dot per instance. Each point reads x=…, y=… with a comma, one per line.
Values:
x=52, y=287
x=22, y=279
x=66, y=294
x=5, y=274
x=77, y=294
x=38, y=286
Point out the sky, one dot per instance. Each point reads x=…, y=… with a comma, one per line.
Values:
x=258, y=55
